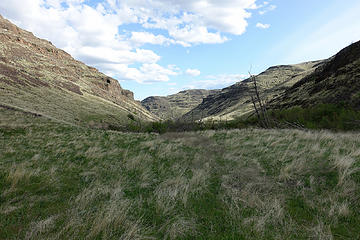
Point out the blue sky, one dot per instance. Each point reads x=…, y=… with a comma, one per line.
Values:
x=160, y=47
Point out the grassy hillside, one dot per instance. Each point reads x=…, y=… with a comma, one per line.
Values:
x=176, y=105
x=336, y=82
x=332, y=81
x=63, y=182
x=37, y=77
x=235, y=101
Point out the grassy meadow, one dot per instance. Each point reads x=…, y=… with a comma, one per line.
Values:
x=59, y=181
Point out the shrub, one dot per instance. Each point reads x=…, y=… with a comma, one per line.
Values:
x=131, y=117
x=322, y=116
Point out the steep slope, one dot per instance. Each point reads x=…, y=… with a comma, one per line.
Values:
x=336, y=81
x=37, y=77
x=176, y=105
x=234, y=101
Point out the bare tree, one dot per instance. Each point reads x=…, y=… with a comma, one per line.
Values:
x=256, y=110
x=261, y=112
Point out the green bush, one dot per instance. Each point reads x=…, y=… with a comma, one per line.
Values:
x=322, y=116
x=131, y=117
x=158, y=127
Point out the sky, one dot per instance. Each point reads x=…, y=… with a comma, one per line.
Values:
x=160, y=47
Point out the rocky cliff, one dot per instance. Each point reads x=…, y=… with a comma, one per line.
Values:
x=38, y=77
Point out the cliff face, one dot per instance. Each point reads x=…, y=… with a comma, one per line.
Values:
x=336, y=81
x=176, y=105
x=38, y=77
x=235, y=101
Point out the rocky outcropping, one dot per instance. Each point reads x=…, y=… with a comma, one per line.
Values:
x=38, y=77
x=176, y=105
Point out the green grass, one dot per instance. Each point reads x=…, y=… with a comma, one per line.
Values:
x=323, y=116
x=64, y=182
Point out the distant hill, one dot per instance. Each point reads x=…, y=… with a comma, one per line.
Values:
x=235, y=101
x=337, y=81
x=176, y=105
x=37, y=77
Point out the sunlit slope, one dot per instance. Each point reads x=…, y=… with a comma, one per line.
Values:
x=335, y=82
x=37, y=77
x=176, y=105
x=235, y=101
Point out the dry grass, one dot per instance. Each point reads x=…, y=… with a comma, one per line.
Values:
x=302, y=164
x=18, y=173
x=321, y=232
x=179, y=227
x=62, y=182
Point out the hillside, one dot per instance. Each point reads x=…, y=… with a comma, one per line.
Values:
x=234, y=101
x=176, y=105
x=337, y=81
x=64, y=182
x=37, y=77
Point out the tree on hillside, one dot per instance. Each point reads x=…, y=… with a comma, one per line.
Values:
x=259, y=105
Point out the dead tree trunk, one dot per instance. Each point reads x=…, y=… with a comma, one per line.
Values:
x=263, y=117
x=256, y=110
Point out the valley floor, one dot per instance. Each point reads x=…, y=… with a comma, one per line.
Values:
x=65, y=182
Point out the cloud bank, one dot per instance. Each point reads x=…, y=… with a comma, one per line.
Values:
x=98, y=35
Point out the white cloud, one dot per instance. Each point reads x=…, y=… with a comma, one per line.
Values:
x=91, y=33
x=193, y=72
x=217, y=81
x=223, y=16
x=140, y=38
x=267, y=9
x=156, y=73
x=264, y=4
x=98, y=55
x=195, y=35
x=262, y=25
x=174, y=68
x=146, y=73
